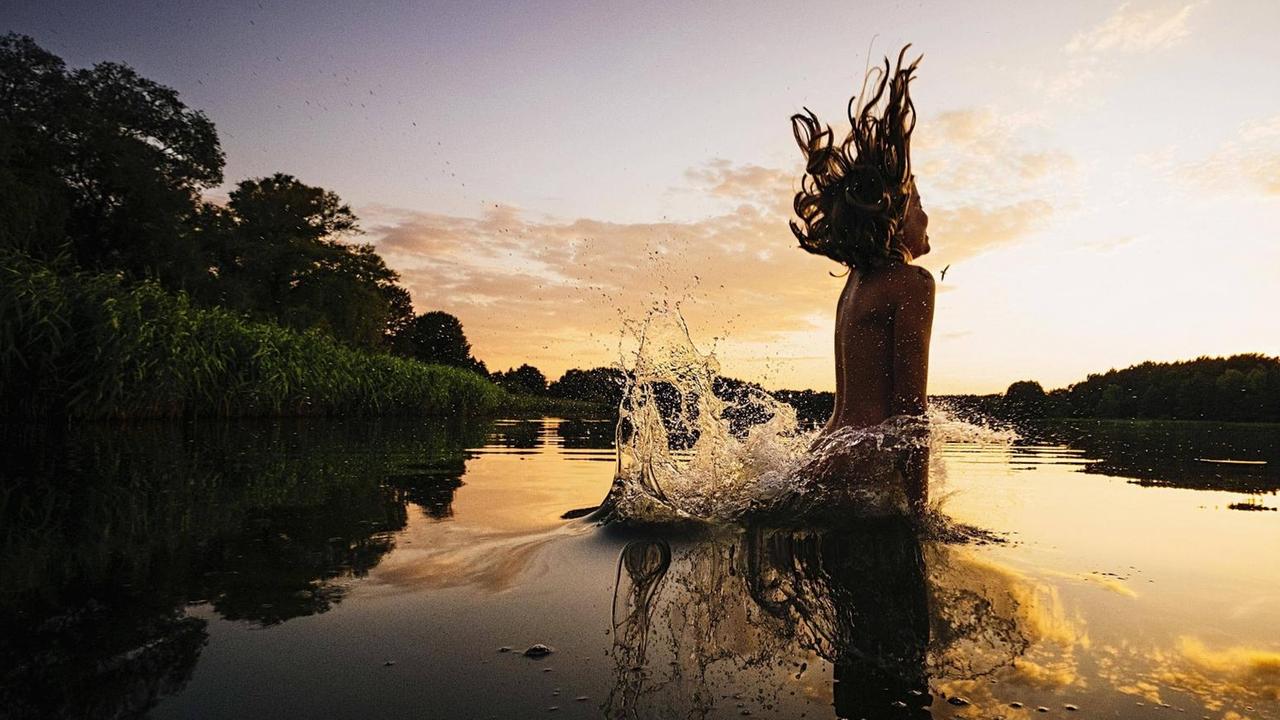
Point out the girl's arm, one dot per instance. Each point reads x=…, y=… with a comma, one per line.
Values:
x=912, y=329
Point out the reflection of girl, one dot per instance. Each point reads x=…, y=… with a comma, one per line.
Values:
x=859, y=206
x=858, y=597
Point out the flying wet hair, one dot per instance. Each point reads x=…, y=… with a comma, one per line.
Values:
x=853, y=197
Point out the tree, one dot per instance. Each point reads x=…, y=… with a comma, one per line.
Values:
x=599, y=385
x=105, y=164
x=399, y=313
x=436, y=337
x=1024, y=399
x=279, y=253
x=524, y=380
x=279, y=229
x=348, y=293
x=106, y=167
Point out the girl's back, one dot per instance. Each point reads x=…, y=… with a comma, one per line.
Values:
x=883, y=320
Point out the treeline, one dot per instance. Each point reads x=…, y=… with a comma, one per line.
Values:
x=1240, y=388
x=606, y=386
x=262, y=303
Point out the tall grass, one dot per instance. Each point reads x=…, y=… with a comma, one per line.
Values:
x=90, y=346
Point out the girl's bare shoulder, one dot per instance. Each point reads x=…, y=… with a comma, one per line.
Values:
x=907, y=282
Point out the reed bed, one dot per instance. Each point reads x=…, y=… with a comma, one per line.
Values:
x=89, y=346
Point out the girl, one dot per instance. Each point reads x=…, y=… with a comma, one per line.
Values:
x=858, y=205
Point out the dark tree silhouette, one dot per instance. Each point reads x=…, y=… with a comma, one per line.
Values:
x=1240, y=388
x=437, y=337
x=399, y=313
x=602, y=385
x=279, y=255
x=1024, y=399
x=812, y=408
x=524, y=380
x=102, y=163
x=104, y=168
x=279, y=229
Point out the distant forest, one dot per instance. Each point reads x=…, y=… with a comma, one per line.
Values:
x=1240, y=388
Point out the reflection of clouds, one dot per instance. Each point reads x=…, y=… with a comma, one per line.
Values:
x=1230, y=672
x=1049, y=635
x=1216, y=677
x=1111, y=584
x=487, y=561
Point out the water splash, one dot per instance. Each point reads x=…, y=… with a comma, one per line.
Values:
x=695, y=446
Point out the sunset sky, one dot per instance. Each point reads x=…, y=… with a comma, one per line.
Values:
x=1103, y=178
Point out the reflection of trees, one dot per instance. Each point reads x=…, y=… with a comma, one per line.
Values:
x=433, y=474
x=107, y=533
x=694, y=626
x=102, y=659
x=582, y=434
x=520, y=434
x=1173, y=454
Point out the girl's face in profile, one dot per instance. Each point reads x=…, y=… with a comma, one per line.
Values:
x=915, y=236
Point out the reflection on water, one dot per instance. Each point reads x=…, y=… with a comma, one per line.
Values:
x=109, y=533
x=348, y=569
x=892, y=618
x=731, y=608
x=1231, y=456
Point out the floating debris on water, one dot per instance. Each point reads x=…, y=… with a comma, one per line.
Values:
x=538, y=650
x=1252, y=506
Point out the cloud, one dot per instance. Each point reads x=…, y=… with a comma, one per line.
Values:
x=977, y=153
x=1249, y=160
x=553, y=292
x=767, y=187
x=541, y=288
x=1129, y=29
x=1099, y=245
x=970, y=230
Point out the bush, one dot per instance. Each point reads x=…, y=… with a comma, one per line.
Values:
x=89, y=346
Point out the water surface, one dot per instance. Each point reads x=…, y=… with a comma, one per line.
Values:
x=378, y=569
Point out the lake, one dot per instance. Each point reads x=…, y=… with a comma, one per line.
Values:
x=402, y=568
